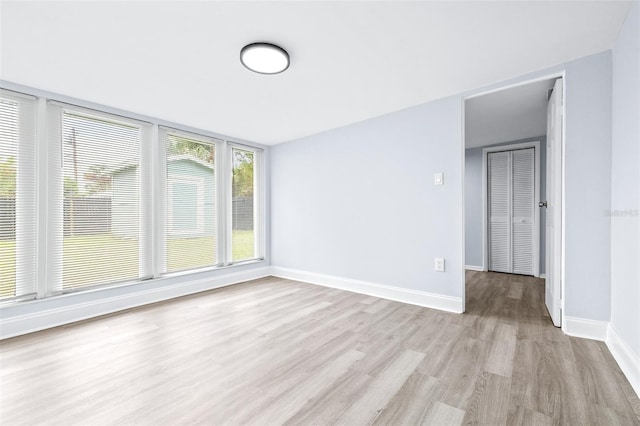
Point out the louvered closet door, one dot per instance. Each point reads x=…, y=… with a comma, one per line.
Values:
x=522, y=172
x=499, y=211
x=511, y=185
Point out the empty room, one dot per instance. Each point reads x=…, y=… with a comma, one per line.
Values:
x=320, y=212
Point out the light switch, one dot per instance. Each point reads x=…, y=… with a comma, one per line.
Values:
x=438, y=179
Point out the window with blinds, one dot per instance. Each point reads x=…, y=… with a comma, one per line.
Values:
x=191, y=207
x=101, y=200
x=96, y=199
x=243, y=204
x=17, y=195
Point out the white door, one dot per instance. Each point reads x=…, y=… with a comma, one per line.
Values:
x=511, y=195
x=499, y=195
x=554, y=204
x=523, y=211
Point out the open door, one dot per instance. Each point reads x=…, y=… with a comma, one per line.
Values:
x=553, y=285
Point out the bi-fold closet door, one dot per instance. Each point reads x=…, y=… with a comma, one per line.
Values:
x=511, y=193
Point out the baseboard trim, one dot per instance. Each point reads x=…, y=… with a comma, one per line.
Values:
x=626, y=358
x=586, y=328
x=474, y=268
x=413, y=297
x=543, y=276
x=41, y=320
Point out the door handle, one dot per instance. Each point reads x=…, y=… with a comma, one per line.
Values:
x=542, y=204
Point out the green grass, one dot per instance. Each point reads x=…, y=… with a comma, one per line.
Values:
x=106, y=258
x=7, y=267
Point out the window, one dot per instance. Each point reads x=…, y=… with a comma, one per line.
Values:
x=17, y=195
x=89, y=198
x=244, y=204
x=101, y=200
x=191, y=207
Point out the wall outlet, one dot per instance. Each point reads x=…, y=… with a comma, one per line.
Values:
x=438, y=179
x=439, y=264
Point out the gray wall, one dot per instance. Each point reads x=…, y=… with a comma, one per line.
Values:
x=588, y=187
x=473, y=238
x=358, y=202
x=473, y=207
x=625, y=183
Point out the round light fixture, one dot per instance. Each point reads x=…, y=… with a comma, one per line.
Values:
x=264, y=58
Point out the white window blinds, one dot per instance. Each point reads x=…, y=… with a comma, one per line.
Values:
x=17, y=195
x=90, y=198
x=191, y=202
x=101, y=200
x=243, y=204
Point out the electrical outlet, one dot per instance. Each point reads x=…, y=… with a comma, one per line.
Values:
x=439, y=264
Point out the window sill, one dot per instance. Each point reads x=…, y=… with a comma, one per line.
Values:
x=34, y=315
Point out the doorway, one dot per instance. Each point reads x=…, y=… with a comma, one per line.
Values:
x=513, y=140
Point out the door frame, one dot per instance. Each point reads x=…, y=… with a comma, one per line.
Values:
x=536, y=195
x=497, y=88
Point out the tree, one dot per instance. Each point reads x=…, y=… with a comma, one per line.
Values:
x=70, y=187
x=243, y=161
x=98, y=179
x=8, y=175
x=179, y=145
x=242, y=173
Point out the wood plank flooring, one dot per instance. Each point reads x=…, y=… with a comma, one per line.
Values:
x=274, y=351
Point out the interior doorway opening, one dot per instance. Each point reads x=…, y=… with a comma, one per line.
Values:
x=513, y=140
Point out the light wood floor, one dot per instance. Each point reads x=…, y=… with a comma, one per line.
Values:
x=274, y=351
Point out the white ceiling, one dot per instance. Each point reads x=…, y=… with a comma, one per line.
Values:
x=350, y=61
x=508, y=115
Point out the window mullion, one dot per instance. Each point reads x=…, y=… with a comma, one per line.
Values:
x=160, y=201
x=221, y=214
x=146, y=222
x=258, y=207
x=229, y=207
x=54, y=201
x=42, y=191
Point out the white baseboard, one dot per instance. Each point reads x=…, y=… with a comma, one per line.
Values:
x=543, y=276
x=414, y=297
x=586, y=328
x=474, y=268
x=626, y=358
x=48, y=318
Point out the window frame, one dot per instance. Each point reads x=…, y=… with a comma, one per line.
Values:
x=53, y=284
x=259, y=223
x=48, y=158
x=161, y=228
x=27, y=268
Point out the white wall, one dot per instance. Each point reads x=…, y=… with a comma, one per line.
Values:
x=358, y=202
x=625, y=186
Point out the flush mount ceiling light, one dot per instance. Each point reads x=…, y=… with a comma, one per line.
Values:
x=264, y=58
